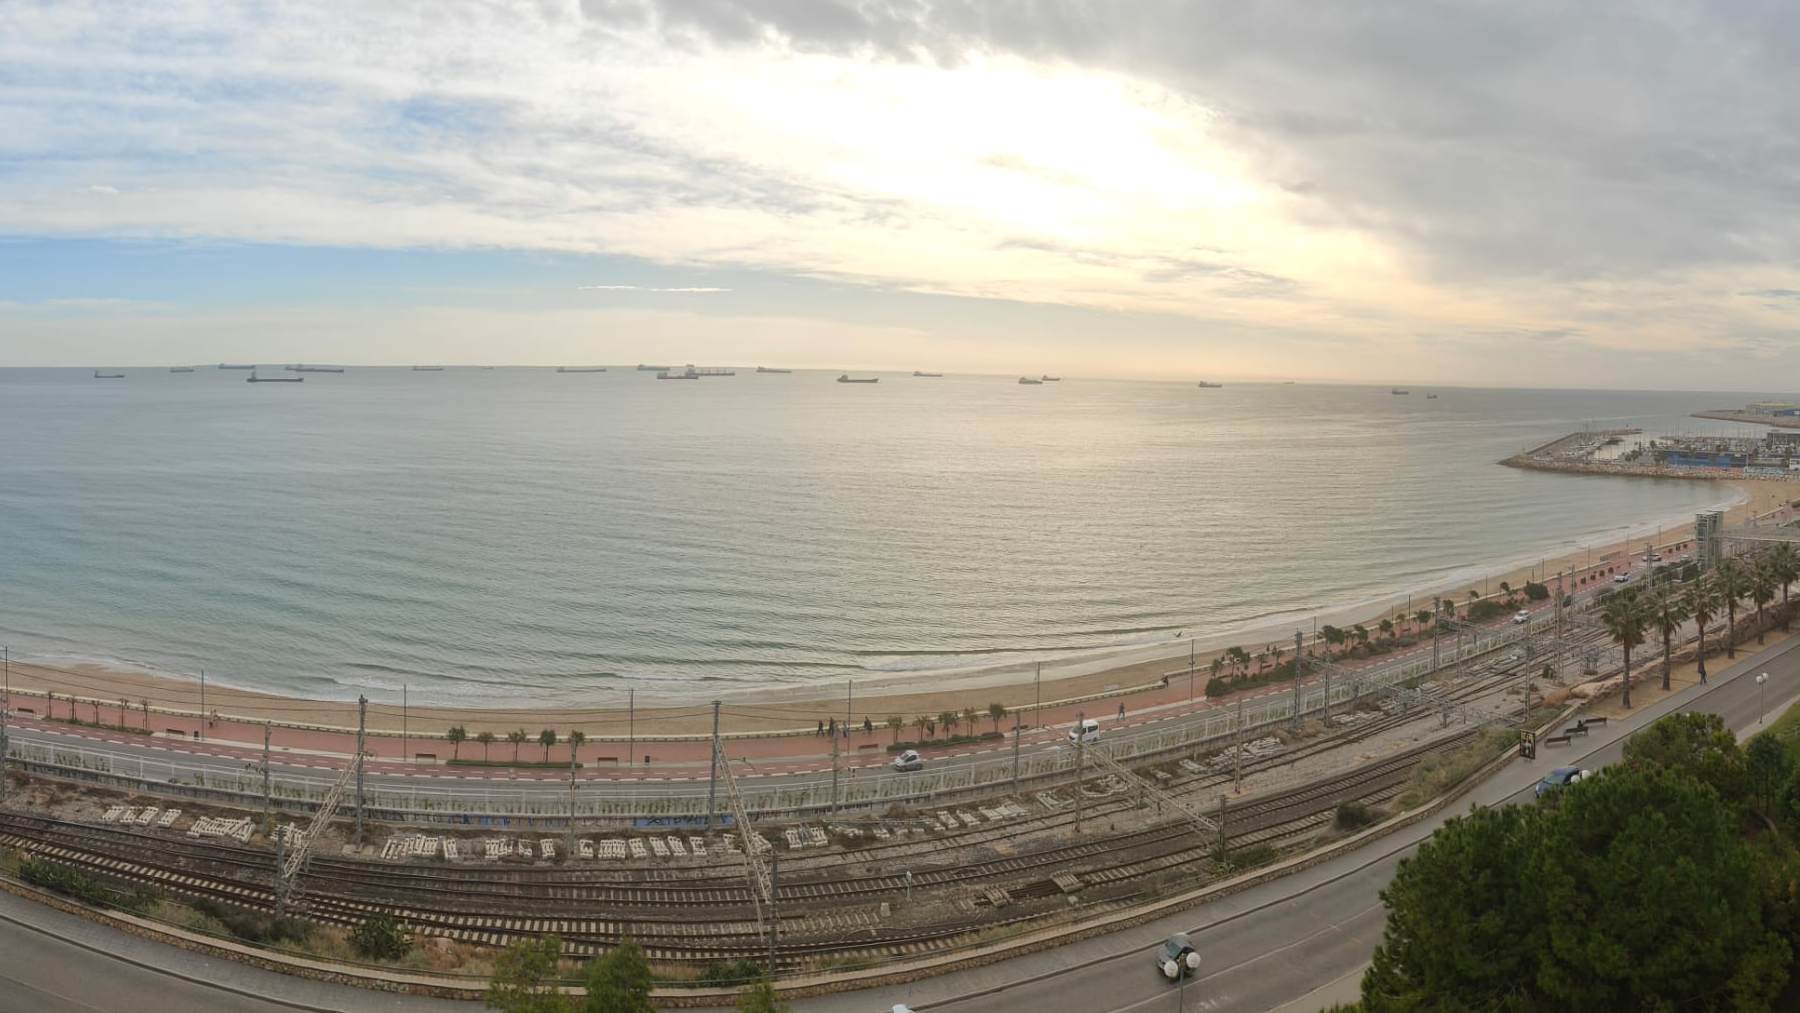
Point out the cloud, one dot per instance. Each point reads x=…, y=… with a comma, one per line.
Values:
x=646, y=288
x=1619, y=174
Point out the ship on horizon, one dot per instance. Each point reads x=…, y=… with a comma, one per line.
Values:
x=1047, y=378
x=181, y=369
x=228, y=365
x=428, y=369
x=581, y=369
x=766, y=369
x=1399, y=390
x=846, y=378
x=108, y=376
x=1032, y=382
x=301, y=367
x=642, y=368
x=920, y=372
x=253, y=378
x=1210, y=386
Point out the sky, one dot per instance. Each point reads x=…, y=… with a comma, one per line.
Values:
x=1600, y=194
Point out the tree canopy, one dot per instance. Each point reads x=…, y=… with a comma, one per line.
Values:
x=1632, y=890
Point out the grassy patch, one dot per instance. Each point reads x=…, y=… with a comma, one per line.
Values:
x=1438, y=772
x=1248, y=858
x=1354, y=816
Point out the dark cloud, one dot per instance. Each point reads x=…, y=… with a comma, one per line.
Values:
x=1530, y=139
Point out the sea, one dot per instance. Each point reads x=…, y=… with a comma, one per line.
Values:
x=510, y=535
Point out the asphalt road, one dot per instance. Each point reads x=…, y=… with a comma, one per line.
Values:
x=1264, y=948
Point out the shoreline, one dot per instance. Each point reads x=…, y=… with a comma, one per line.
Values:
x=794, y=709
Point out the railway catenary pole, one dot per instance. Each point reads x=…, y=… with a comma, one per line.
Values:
x=1015, y=752
x=631, y=727
x=1437, y=608
x=362, y=716
x=712, y=782
x=1190, y=670
x=1080, y=762
x=202, y=705
x=569, y=845
x=6, y=705
x=1297, y=667
x=405, y=751
x=774, y=923
x=1237, y=748
x=835, y=739
x=268, y=808
x=1221, y=826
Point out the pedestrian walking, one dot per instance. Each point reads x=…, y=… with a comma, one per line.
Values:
x=1121, y=712
x=832, y=728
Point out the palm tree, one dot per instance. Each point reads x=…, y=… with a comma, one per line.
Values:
x=517, y=738
x=1362, y=635
x=546, y=738
x=920, y=722
x=1424, y=619
x=895, y=723
x=949, y=719
x=1731, y=582
x=145, y=704
x=1762, y=591
x=576, y=738
x=1387, y=628
x=1786, y=565
x=1702, y=603
x=456, y=735
x=968, y=716
x=996, y=711
x=1333, y=637
x=124, y=705
x=1624, y=617
x=1506, y=592
x=1217, y=666
x=486, y=739
x=1666, y=613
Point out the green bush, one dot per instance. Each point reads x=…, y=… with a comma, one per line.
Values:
x=1536, y=591
x=1354, y=816
x=381, y=936
x=254, y=926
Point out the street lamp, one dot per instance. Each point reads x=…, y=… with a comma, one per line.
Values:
x=1761, y=696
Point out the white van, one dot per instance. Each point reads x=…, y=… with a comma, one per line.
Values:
x=1087, y=731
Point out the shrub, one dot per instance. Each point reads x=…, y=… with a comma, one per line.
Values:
x=1354, y=816
x=1535, y=591
x=254, y=926
x=381, y=936
x=730, y=972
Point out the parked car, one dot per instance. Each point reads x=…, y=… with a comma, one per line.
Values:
x=1176, y=958
x=1522, y=616
x=909, y=760
x=1622, y=578
x=1086, y=731
x=901, y=1007
x=1561, y=777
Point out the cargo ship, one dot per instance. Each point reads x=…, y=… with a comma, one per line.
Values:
x=917, y=372
x=1050, y=379
x=181, y=369
x=227, y=365
x=108, y=376
x=253, y=378
x=1210, y=386
x=581, y=369
x=765, y=369
x=845, y=378
x=1029, y=380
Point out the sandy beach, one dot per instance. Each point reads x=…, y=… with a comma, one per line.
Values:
x=799, y=710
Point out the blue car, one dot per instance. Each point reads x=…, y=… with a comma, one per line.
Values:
x=1561, y=777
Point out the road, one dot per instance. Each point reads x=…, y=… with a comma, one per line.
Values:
x=1278, y=942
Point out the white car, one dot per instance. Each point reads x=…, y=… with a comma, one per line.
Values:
x=1521, y=617
x=1622, y=578
x=908, y=761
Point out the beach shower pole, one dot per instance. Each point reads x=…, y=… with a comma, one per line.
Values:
x=712, y=783
x=362, y=714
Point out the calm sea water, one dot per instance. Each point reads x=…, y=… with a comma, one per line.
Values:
x=478, y=533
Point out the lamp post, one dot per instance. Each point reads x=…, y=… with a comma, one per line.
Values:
x=1761, y=696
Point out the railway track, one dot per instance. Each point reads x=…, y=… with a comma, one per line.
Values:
x=694, y=915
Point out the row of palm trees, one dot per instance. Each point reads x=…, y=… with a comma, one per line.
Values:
x=457, y=735
x=1632, y=615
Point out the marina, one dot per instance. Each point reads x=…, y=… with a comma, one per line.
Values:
x=1774, y=455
